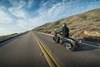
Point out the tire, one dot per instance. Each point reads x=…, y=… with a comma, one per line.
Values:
x=57, y=40
x=69, y=46
x=53, y=38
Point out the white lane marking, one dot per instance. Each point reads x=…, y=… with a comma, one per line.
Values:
x=91, y=45
x=47, y=34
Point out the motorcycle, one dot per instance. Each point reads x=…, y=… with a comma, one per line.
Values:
x=69, y=43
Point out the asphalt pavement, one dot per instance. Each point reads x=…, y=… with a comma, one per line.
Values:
x=24, y=51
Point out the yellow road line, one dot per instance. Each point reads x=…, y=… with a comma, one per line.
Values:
x=53, y=58
x=48, y=55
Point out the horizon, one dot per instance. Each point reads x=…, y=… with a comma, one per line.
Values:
x=22, y=15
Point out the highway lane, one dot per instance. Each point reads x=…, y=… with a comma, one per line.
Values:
x=85, y=56
x=24, y=51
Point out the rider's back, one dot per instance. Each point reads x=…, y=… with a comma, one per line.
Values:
x=65, y=31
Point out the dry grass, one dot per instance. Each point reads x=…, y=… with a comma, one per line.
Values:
x=7, y=36
x=89, y=21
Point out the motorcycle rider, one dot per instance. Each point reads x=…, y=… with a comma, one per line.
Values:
x=63, y=38
x=65, y=30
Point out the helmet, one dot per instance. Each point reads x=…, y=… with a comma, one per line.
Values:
x=64, y=24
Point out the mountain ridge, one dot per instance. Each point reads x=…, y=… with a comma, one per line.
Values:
x=78, y=24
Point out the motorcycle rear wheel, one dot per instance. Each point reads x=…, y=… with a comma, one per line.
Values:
x=69, y=46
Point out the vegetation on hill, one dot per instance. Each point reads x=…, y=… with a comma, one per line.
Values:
x=7, y=36
x=78, y=24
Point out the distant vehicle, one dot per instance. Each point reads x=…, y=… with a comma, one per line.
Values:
x=69, y=43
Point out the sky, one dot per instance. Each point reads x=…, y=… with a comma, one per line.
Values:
x=21, y=15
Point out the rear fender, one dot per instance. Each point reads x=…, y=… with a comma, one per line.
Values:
x=70, y=40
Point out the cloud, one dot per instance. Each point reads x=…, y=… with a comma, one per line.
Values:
x=24, y=24
x=17, y=3
x=5, y=17
x=24, y=15
x=5, y=31
x=57, y=10
x=30, y=2
x=52, y=14
x=19, y=14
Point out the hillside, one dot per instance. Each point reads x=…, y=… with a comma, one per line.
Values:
x=81, y=25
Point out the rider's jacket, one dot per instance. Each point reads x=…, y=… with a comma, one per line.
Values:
x=65, y=31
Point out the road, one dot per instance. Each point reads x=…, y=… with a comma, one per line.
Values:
x=24, y=51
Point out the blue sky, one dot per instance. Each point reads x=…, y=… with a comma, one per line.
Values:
x=22, y=15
